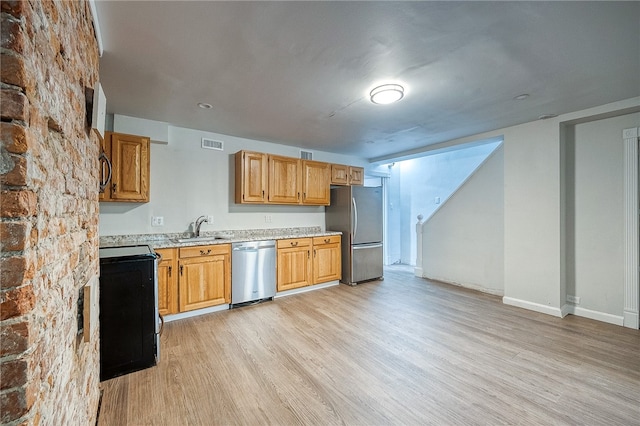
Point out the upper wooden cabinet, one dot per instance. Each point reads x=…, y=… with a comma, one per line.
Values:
x=346, y=175
x=316, y=183
x=284, y=180
x=129, y=155
x=276, y=179
x=251, y=177
x=356, y=175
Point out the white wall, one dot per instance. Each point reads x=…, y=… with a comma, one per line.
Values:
x=535, y=209
x=188, y=181
x=423, y=179
x=463, y=242
x=595, y=228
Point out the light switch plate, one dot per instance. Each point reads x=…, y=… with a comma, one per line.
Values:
x=157, y=221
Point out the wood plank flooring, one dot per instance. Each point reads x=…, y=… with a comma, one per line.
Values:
x=403, y=351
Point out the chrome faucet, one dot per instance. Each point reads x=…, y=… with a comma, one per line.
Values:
x=198, y=224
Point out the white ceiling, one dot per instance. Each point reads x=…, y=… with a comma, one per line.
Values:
x=298, y=73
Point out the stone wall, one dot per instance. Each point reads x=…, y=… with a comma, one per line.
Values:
x=49, y=213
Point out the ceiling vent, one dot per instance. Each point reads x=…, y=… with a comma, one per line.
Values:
x=211, y=144
x=306, y=155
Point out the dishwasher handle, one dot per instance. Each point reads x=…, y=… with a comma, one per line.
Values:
x=254, y=246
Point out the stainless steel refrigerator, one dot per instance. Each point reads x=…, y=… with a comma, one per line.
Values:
x=356, y=211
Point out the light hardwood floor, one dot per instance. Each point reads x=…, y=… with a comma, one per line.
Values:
x=399, y=351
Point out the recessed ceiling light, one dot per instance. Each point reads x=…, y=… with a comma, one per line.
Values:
x=386, y=94
x=204, y=106
x=546, y=116
x=521, y=97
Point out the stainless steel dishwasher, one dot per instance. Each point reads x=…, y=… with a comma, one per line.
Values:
x=253, y=272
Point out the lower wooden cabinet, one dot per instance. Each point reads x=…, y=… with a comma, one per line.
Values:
x=308, y=261
x=327, y=259
x=167, y=282
x=294, y=263
x=205, y=276
x=192, y=278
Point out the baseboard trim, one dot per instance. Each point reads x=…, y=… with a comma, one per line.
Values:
x=196, y=313
x=537, y=307
x=631, y=320
x=594, y=315
x=476, y=287
x=306, y=289
x=418, y=272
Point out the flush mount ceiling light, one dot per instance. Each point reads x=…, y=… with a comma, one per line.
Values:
x=204, y=106
x=521, y=97
x=386, y=94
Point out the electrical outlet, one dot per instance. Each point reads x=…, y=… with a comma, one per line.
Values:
x=267, y=218
x=210, y=219
x=157, y=221
x=573, y=299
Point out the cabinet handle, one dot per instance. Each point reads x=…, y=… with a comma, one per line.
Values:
x=294, y=244
x=181, y=268
x=308, y=254
x=203, y=253
x=113, y=188
x=170, y=271
x=314, y=252
x=327, y=240
x=298, y=196
x=263, y=193
x=104, y=183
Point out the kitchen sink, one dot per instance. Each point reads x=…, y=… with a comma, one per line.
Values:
x=204, y=239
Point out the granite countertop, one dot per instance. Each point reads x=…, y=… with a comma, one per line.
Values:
x=157, y=241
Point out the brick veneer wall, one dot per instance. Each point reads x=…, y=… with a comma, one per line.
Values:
x=49, y=213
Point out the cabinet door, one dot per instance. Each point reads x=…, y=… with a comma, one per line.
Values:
x=204, y=281
x=339, y=174
x=356, y=176
x=294, y=264
x=327, y=260
x=167, y=282
x=316, y=183
x=284, y=178
x=130, y=160
x=251, y=177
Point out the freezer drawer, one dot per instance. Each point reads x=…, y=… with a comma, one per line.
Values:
x=366, y=262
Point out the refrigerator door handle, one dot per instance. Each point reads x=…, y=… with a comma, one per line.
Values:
x=366, y=246
x=355, y=215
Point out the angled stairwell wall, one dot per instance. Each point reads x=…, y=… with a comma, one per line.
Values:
x=463, y=241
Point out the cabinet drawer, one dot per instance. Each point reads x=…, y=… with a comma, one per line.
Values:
x=199, y=251
x=326, y=240
x=167, y=254
x=295, y=242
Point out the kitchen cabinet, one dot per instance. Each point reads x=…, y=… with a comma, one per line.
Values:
x=204, y=277
x=346, y=175
x=167, y=281
x=284, y=180
x=316, y=183
x=129, y=156
x=356, y=175
x=293, y=263
x=251, y=177
x=327, y=259
x=276, y=179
